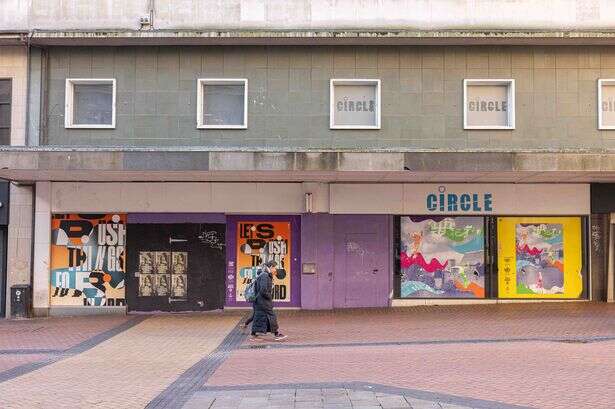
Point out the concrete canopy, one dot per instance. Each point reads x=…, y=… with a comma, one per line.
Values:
x=109, y=165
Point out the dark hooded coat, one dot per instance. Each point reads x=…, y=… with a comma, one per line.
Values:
x=264, y=317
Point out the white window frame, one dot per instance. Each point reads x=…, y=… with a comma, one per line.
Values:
x=510, y=96
x=346, y=81
x=601, y=82
x=200, y=99
x=69, y=103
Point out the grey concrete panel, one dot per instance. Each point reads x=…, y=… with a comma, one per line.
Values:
x=459, y=162
x=549, y=161
x=63, y=164
x=317, y=161
x=174, y=161
x=82, y=160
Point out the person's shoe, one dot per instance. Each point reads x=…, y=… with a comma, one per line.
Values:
x=279, y=336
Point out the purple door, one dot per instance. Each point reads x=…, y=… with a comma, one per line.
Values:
x=362, y=250
x=317, y=250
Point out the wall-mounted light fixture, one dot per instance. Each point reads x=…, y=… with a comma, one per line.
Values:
x=309, y=205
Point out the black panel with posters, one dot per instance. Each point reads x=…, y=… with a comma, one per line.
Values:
x=175, y=267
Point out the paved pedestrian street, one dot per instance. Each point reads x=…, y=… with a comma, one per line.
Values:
x=550, y=355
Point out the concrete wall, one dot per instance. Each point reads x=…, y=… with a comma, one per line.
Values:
x=13, y=65
x=556, y=95
x=42, y=249
x=309, y=14
x=19, y=246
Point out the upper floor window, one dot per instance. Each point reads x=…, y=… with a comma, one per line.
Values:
x=222, y=103
x=606, y=104
x=5, y=112
x=488, y=104
x=90, y=103
x=355, y=104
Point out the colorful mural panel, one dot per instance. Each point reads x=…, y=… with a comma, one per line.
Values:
x=88, y=259
x=259, y=242
x=540, y=257
x=442, y=257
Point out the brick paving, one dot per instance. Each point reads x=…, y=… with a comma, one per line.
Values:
x=537, y=374
x=452, y=359
x=495, y=356
x=12, y=361
x=126, y=371
x=446, y=323
x=54, y=333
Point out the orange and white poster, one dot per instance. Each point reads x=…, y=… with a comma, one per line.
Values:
x=259, y=242
x=88, y=259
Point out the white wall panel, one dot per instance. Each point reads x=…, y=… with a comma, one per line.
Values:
x=366, y=198
x=42, y=246
x=310, y=14
x=178, y=197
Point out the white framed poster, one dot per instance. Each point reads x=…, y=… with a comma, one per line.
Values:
x=606, y=104
x=489, y=104
x=355, y=104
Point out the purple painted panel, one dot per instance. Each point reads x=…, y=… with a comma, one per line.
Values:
x=176, y=218
x=231, y=259
x=317, y=248
x=362, y=266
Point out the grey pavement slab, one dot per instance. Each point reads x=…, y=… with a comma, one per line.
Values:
x=306, y=398
x=422, y=404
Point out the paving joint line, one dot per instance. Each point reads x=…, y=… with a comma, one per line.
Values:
x=181, y=390
x=374, y=387
x=72, y=351
x=571, y=340
x=33, y=351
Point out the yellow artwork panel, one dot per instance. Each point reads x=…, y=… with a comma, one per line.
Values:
x=540, y=257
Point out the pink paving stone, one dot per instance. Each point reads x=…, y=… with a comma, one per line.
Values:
x=449, y=323
x=55, y=332
x=10, y=361
x=534, y=373
x=540, y=374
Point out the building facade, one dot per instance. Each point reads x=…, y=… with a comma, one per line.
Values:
x=168, y=151
x=15, y=200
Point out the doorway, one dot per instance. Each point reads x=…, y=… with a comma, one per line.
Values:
x=362, y=267
x=175, y=267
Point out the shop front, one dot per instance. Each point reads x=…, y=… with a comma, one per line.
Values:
x=175, y=261
x=472, y=257
x=401, y=244
x=151, y=249
x=254, y=240
x=346, y=260
x=476, y=241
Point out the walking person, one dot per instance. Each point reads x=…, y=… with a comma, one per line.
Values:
x=251, y=318
x=264, y=319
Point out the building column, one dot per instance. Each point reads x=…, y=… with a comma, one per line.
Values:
x=19, y=245
x=610, y=281
x=42, y=243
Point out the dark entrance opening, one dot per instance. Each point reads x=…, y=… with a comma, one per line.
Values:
x=175, y=267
